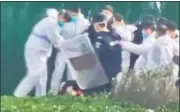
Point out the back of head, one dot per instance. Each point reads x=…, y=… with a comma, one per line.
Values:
x=171, y=25
x=118, y=17
x=162, y=24
x=66, y=16
x=149, y=24
x=148, y=21
x=62, y=11
x=109, y=8
x=161, y=29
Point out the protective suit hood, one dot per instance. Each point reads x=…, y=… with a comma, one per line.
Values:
x=52, y=13
x=163, y=40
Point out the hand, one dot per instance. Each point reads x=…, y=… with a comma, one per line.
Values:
x=120, y=42
x=114, y=43
x=60, y=44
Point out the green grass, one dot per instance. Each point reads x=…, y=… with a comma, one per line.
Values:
x=94, y=103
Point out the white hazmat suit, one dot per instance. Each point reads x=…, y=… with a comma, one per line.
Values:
x=155, y=53
x=141, y=50
x=69, y=30
x=162, y=52
x=38, y=49
x=161, y=55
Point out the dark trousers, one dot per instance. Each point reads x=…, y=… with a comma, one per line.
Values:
x=133, y=58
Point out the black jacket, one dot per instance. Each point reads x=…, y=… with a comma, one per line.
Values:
x=109, y=56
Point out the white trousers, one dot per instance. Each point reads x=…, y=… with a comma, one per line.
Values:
x=36, y=76
x=125, y=60
x=58, y=73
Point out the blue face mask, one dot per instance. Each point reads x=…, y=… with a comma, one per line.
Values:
x=144, y=35
x=60, y=23
x=73, y=19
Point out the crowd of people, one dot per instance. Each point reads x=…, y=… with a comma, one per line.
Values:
x=149, y=44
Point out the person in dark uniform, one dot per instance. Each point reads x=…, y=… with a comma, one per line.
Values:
x=108, y=12
x=108, y=52
x=106, y=47
x=138, y=38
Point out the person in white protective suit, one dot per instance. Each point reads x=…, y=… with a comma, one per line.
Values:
x=75, y=27
x=162, y=53
x=171, y=29
x=38, y=48
x=148, y=31
x=174, y=34
x=163, y=50
x=126, y=34
x=58, y=72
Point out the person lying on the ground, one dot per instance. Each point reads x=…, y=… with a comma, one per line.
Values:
x=70, y=87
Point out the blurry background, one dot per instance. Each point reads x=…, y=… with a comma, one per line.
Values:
x=18, y=18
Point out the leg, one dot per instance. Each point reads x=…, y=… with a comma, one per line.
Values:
x=38, y=89
x=57, y=75
x=133, y=58
x=25, y=86
x=35, y=63
x=41, y=85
